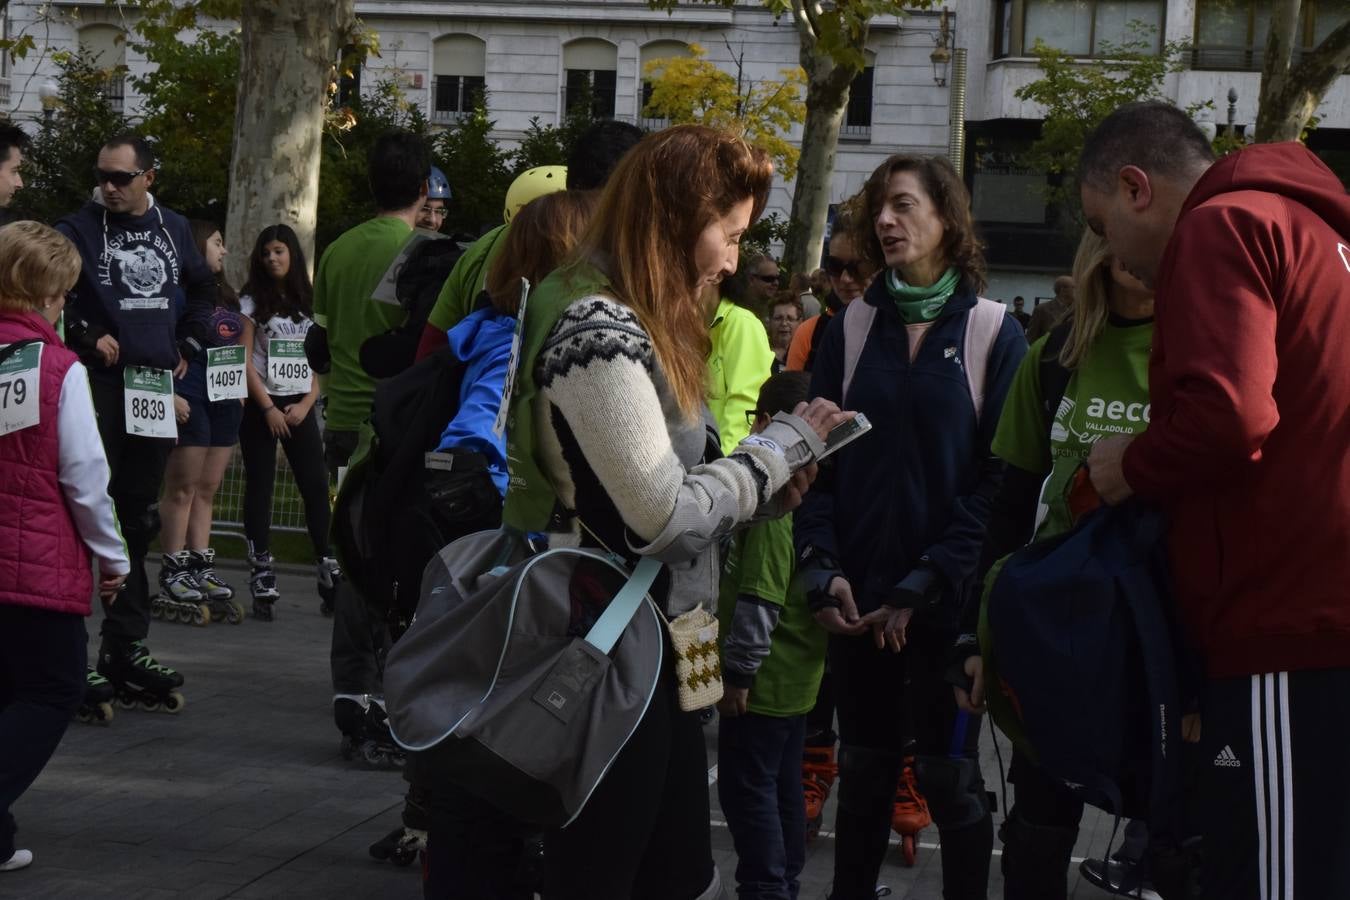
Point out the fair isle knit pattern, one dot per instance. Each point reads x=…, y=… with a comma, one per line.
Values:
x=599, y=371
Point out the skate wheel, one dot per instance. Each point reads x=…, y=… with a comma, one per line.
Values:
x=84, y=716
x=125, y=701
x=201, y=615
x=910, y=848
x=173, y=703
x=373, y=755
x=235, y=614
x=105, y=712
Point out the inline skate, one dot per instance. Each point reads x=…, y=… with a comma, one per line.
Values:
x=180, y=599
x=262, y=584
x=218, y=594
x=400, y=846
x=365, y=731
x=138, y=679
x=96, y=707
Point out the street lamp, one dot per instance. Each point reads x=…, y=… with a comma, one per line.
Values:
x=49, y=92
x=942, y=54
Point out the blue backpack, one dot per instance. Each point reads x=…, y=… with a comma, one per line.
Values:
x=1086, y=680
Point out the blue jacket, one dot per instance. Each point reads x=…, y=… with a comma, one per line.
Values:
x=135, y=269
x=915, y=493
x=483, y=343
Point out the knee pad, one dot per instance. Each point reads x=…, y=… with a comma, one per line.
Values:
x=954, y=789
x=867, y=778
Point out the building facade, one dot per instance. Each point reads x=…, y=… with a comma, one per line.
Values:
x=531, y=59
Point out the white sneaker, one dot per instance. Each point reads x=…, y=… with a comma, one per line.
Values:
x=21, y=859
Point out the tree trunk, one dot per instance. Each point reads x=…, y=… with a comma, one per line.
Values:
x=1290, y=94
x=827, y=89
x=287, y=51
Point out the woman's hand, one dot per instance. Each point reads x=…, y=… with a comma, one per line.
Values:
x=844, y=619
x=276, y=422
x=733, y=702
x=972, y=702
x=822, y=415
x=109, y=586
x=181, y=410
x=296, y=412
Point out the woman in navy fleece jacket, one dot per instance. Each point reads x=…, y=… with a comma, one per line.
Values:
x=889, y=540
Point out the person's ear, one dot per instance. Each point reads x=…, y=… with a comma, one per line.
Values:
x=1136, y=188
x=149, y=178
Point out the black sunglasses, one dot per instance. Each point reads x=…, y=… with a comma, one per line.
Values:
x=116, y=179
x=858, y=269
x=767, y=279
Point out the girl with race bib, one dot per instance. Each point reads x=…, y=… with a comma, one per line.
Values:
x=208, y=404
x=278, y=301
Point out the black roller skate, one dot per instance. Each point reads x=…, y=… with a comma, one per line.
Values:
x=96, y=707
x=400, y=846
x=218, y=594
x=365, y=731
x=179, y=599
x=262, y=584
x=138, y=679
x=329, y=577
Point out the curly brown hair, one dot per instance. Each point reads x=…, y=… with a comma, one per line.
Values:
x=961, y=245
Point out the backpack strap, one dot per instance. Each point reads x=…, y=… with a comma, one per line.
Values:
x=983, y=324
x=858, y=318
x=1054, y=377
x=604, y=634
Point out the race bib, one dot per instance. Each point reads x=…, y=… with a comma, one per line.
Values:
x=225, y=379
x=287, y=367
x=148, y=400
x=19, y=381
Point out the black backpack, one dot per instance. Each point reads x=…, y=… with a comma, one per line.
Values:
x=394, y=511
x=419, y=284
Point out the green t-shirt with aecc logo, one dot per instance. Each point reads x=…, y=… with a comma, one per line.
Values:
x=1107, y=395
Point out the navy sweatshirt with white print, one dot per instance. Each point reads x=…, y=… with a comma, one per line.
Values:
x=135, y=271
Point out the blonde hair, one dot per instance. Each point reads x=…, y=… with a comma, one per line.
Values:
x=37, y=263
x=1091, y=295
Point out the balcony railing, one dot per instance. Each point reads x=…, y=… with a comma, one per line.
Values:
x=855, y=134
x=652, y=123
x=4, y=91
x=1233, y=59
x=448, y=116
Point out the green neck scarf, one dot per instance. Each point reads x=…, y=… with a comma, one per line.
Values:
x=921, y=304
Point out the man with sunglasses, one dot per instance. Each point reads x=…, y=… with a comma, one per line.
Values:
x=137, y=314
x=849, y=275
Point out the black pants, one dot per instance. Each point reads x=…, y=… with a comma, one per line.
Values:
x=304, y=451
x=475, y=851
x=759, y=781
x=338, y=447
x=645, y=834
x=361, y=640
x=42, y=664
x=1272, y=803
x=883, y=699
x=136, y=475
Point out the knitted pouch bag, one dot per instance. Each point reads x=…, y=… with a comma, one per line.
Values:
x=698, y=662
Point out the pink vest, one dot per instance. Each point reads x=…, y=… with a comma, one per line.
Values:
x=43, y=561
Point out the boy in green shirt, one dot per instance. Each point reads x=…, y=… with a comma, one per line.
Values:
x=773, y=656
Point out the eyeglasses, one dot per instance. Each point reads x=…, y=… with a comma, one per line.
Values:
x=857, y=269
x=116, y=179
x=780, y=320
x=751, y=416
x=433, y=211
x=767, y=279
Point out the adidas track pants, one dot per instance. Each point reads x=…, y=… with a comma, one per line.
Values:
x=1272, y=799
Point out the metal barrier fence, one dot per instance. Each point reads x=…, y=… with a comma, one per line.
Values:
x=288, y=512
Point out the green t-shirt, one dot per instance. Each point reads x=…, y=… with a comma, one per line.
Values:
x=348, y=274
x=760, y=565
x=1106, y=395
x=465, y=282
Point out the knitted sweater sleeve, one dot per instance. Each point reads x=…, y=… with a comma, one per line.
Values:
x=598, y=371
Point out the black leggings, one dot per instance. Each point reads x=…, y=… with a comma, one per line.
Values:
x=304, y=451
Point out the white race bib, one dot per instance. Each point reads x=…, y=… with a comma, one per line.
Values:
x=225, y=379
x=19, y=382
x=287, y=367
x=148, y=402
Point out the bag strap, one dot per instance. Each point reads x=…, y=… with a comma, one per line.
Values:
x=858, y=318
x=983, y=324
x=17, y=346
x=604, y=634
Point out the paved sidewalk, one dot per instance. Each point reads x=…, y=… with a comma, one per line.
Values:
x=245, y=795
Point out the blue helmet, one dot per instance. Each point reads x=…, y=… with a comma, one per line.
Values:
x=438, y=188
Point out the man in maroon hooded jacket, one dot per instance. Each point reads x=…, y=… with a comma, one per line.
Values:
x=1249, y=449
